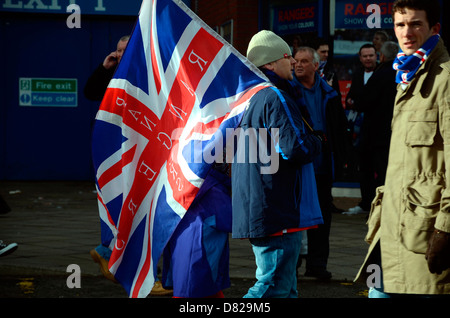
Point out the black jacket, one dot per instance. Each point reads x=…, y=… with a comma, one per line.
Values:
x=98, y=82
x=377, y=103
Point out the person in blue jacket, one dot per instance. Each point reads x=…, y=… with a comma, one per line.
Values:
x=327, y=116
x=271, y=208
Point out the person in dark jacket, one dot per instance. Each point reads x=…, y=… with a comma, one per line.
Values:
x=94, y=90
x=326, y=69
x=328, y=116
x=98, y=81
x=378, y=106
x=272, y=208
x=353, y=102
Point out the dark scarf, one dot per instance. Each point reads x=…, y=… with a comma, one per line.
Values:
x=407, y=65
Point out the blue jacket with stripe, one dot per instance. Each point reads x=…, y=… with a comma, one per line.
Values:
x=284, y=196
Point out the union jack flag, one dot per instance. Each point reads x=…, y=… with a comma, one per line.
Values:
x=178, y=86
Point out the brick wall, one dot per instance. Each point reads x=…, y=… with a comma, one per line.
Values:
x=244, y=14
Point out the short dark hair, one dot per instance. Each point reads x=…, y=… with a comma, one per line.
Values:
x=432, y=9
x=367, y=46
x=319, y=42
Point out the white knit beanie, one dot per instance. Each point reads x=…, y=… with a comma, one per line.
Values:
x=265, y=47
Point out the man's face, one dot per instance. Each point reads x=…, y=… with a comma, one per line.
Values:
x=412, y=29
x=368, y=58
x=120, y=49
x=323, y=51
x=283, y=67
x=377, y=41
x=305, y=67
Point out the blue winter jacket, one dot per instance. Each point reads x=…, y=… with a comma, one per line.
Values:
x=264, y=204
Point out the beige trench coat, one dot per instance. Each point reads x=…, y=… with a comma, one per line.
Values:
x=416, y=196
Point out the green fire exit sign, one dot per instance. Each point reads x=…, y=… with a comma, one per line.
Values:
x=56, y=92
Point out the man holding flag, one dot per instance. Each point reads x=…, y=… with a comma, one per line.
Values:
x=271, y=208
x=170, y=102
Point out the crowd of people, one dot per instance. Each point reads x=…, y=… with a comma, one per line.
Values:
x=400, y=157
x=403, y=93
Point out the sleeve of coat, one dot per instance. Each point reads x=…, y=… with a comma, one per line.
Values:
x=97, y=83
x=443, y=218
x=292, y=140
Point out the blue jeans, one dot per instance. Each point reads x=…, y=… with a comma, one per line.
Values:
x=103, y=251
x=375, y=292
x=276, y=260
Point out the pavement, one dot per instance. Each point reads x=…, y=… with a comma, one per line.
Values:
x=56, y=224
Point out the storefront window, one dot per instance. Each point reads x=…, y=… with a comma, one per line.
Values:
x=226, y=31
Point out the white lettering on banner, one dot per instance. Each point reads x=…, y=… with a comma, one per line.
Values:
x=132, y=207
x=121, y=246
x=176, y=111
x=9, y=5
x=121, y=102
x=147, y=123
x=100, y=6
x=174, y=172
x=355, y=21
x=145, y=170
x=65, y=99
x=164, y=143
x=197, y=60
x=39, y=5
x=135, y=114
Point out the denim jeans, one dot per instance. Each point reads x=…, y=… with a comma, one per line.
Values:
x=276, y=260
x=103, y=251
x=375, y=292
x=379, y=293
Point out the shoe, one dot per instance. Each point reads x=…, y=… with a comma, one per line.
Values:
x=7, y=249
x=355, y=210
x=158, y=290
x=321, y=274
x=103, y=263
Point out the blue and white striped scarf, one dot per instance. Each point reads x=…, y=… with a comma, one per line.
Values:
x=407, y=65
x=322, y=68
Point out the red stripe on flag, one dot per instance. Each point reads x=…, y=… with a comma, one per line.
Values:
x=116, y=169
x=146, y=266
x=193, y=65
x=155, y=71
x=134, y=113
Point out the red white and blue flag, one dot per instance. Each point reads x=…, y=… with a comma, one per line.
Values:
x=178, y=87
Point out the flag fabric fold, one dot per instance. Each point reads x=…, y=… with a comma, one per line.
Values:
x=178, y=88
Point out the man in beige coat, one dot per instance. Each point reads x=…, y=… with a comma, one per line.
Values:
x=409, y=224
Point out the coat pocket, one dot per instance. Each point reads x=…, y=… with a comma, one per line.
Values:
x=373, y=222
x=422, y=128
x=417, y=221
